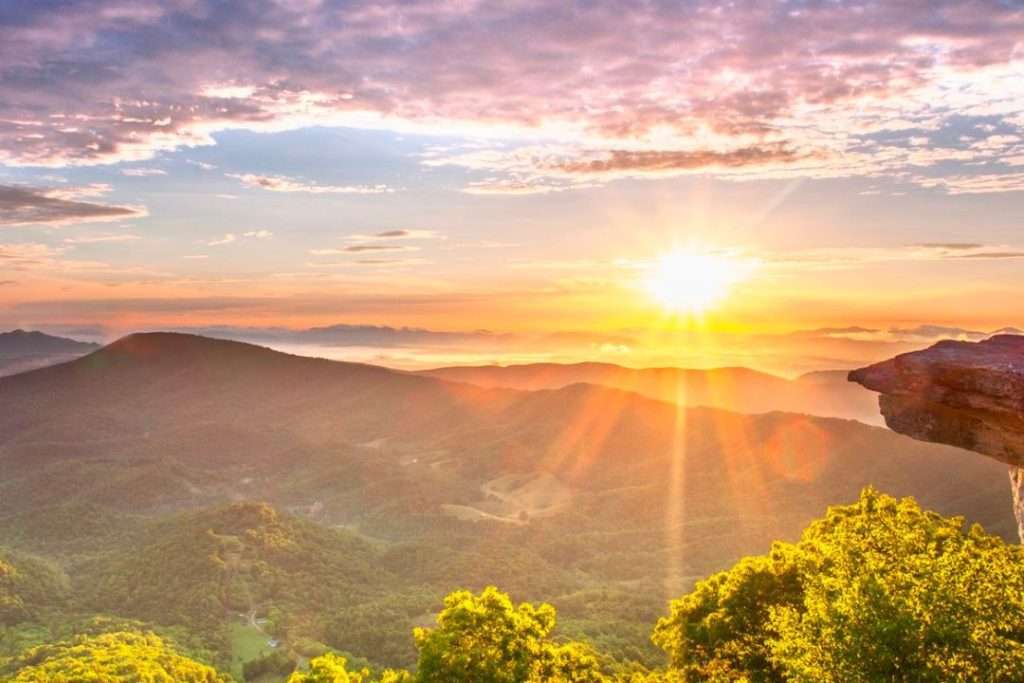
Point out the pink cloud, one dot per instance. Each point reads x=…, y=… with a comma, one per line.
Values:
x=22, y=205
x=664, y=88
x=286, y=184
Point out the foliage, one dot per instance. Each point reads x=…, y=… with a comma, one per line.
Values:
x=12, y=607
x=109, y=658
x=878, y=590
x=722, y=629
x=274, y=662
x=238, y=558
x=329, y=668
x=485, y=638
x=28, y=585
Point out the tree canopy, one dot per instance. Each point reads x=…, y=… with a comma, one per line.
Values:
x=877, y=590
x=110, y=658
x=486, y=638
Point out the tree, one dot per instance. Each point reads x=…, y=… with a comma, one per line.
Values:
x=486, y=639
x=892, y=592
x=110, y=658
x=723, y=629
x=12, y=607
x=876, y=591
x=329, y=668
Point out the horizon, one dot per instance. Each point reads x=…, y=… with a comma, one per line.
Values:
x=417, y=349
x=325, y=163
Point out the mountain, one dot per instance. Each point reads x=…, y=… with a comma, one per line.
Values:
x=21, y=350
x=826, y=393
x=124, y=466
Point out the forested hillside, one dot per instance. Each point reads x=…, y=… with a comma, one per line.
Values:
x=255, y=510
x=877, y=590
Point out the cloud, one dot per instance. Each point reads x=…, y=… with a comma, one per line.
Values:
x=286, y=184
x=228, y=238
x=360, y=248
x=397, y=235
x=99, y=239
x=42, y=257
x=920, y=334
x=628, y=163
x=951, y=246
x=984, y=183
x=515, y=187
x=21, y=205
x=142, y=172
x=388, y=262
x=231, y=238
x=848, y=257
x=755, y=89
x=534, y=170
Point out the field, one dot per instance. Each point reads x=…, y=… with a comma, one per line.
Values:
x=247, y=643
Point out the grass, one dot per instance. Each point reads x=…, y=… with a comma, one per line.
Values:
x=247, y=643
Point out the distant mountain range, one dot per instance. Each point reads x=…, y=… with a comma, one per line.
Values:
x=826, y=393
x=21, y=350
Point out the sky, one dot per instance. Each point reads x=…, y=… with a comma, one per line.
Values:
x=501, y=179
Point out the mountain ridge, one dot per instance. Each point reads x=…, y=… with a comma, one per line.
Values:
x=23, y=350
x=735, y=388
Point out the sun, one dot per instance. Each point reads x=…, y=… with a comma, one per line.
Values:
x=692, y=281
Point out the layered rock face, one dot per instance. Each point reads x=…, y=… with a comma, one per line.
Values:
x=966, y=394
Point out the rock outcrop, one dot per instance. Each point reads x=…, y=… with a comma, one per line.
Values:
x=966, y=394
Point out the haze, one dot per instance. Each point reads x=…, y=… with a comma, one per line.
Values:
x=513, y=168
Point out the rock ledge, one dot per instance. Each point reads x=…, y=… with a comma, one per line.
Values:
x=965, y=394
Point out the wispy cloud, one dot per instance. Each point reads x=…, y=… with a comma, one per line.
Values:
x=920, y=334
x=361, y=248
x=852, y=257
x=984, y=183
x=379, y=263
x=232, y=238
x=142, y=172
x=35, y=257
x=21, y=205
x=228, y=238
x=515, y=187
x=285, y=184
x=396, y=235
x=101, y=239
